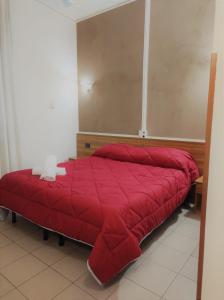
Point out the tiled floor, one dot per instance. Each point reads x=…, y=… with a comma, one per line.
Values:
x=33, y=269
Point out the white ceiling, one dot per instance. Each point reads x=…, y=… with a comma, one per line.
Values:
x=81, y=9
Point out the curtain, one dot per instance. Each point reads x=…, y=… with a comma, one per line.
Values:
x=8, y=134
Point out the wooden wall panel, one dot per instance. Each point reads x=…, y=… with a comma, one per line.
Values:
x=88, y=143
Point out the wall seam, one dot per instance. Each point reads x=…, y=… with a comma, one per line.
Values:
x=143, y=131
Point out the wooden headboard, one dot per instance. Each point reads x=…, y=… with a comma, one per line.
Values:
x=88, y=143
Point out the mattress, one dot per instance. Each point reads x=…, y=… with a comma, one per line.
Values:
x=111, y=200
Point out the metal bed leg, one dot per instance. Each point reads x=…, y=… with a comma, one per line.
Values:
x=13, y=217
x=45, y=234
x=61, y=240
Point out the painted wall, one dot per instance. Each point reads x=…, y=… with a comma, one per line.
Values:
x=110, y=56
x=213, y=287
x=44, y=67
x=110, y=60
x=181, y=36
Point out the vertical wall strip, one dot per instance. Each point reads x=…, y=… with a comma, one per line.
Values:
x=76, y=85
x=143, y=131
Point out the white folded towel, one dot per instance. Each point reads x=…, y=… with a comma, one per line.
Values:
x=49, y=170
x=37, y=171
x=61, y=171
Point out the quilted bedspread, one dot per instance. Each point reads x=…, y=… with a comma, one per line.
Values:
x=111, y=200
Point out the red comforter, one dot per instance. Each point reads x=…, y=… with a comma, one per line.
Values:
x=111, y=200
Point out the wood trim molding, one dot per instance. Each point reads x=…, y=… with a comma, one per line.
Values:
x=88, y=143
x=148, y=136
x=211, y=95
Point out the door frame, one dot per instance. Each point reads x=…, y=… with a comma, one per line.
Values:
x=211, y=95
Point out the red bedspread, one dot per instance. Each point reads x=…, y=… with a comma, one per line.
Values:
x=111, y=200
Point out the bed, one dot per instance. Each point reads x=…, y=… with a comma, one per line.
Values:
x=111, y=200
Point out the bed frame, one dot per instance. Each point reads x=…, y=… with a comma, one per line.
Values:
x=88, y=143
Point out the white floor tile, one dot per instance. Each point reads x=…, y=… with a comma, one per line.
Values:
x=169, y=258
x=195, y=252
x=181, y=289
x=180, y=243
x=133, y=266
x=189, y=230
x=148, y=247
x=171, y=249
x=190, y=269
x=130, y=291
x=153, y=277
x=89, y=284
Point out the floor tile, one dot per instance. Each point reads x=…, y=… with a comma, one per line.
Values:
x=190, y=269
x=4, y=225
x=190, y=215
x=180, y=243
x=5, y=286
x=50, y=252
x=133, y=266
x=73, y=293
x=195, y=252
x=193, y=218
x=89, y=284
x=182, y=288
x=31, y=241
x=26, y=225
x=165, y=229
x=4, y=241
x=10, y=253
x=16, y=232
x=149, y=246
x=23, y=269
x=71, y=267
x=44, y=286
x=168, y=250
x=14, y=295
x=189, y=229
x=169, y=258
x=153, y=277
x=130, y=291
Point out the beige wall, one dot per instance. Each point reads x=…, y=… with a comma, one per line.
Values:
x=110, y=55
x=213, y=279
x=43, y=74
x=110, y=58
x=181, y=35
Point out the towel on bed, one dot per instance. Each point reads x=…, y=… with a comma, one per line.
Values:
x=50, y=169
x=37, y=171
